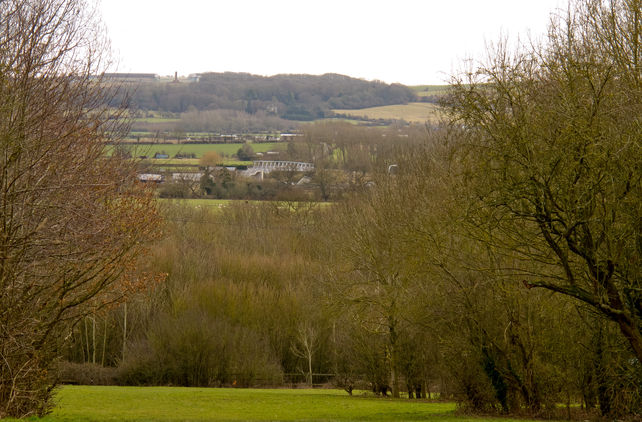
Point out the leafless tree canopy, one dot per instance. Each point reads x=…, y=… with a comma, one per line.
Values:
x=71, y=220
x=555, y=140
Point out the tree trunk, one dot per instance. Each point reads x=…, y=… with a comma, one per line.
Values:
x=310, y=368
x=93, y=339
x=394, y=382
x=632, y=334
x=392, y=356
x=87, y=340
x=102, y=360
x=124, y=329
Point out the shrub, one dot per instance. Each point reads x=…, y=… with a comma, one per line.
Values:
x=86, y=374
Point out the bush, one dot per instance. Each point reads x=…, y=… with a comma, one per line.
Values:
x=86, y=374
x=194, y=349
x=173, y=190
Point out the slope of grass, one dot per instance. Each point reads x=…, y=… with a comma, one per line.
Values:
x=82, y=403
x=430, y=90
x=411, y=112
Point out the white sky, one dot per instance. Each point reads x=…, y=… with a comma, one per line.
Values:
x=408, y=41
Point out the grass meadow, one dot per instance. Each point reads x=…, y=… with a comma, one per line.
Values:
x=200, y=149
x=198, y=203
x=217, y=204
x=84, y=403
x=430, y=90
x=156, y=120
x=160, y=162
x=411, y=112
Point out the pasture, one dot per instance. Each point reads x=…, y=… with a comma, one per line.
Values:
x=197, y=203
x=199, y=149
x=217, y=204
x=193, y=162
x=156, y=119
x=430, y=90
x=84, y=403
x=411, y=112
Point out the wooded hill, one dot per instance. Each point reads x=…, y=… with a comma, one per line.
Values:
x=291, y=97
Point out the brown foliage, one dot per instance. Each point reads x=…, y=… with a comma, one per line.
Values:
x=72, y=222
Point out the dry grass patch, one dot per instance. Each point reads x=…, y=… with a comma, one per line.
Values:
x=411, y=112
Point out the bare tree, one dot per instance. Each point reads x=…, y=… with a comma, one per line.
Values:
x=375, y=277
x=305, y=346
x=554, y=135
x=72, y=221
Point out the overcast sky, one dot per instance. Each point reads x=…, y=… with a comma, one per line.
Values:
x=407, y=41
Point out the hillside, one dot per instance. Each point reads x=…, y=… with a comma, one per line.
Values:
x=411, y=112
x=289, y=97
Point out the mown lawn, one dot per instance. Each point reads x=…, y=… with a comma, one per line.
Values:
x=81, y=403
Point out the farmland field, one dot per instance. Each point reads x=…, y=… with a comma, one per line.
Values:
x=197, y=203
x=82, y=403
x=194, y=162
x=430, y=90
x=200, y=149
x=411, y=112
x=156, y=120
x=220, y=203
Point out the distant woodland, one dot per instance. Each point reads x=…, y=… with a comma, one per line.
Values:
x=289, y=97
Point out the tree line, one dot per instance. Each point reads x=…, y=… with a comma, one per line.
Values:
x=289, y=97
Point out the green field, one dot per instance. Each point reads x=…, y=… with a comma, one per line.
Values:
x=82, y=403
x=411, y=112
x=200, y=149
x=156, y=120
x=198, y=203
x=194, y=162
x=429, y=90
x=338, y=119
x=220, y=203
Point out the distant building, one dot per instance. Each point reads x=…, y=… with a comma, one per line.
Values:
x=133, y=77
x=150, y=177
x=268, y=166
x=187, y=177
x=286, y=137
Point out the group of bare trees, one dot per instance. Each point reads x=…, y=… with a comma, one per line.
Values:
x=287, y=97
x=450, y=308
x=555, y=132
x=533, y=186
